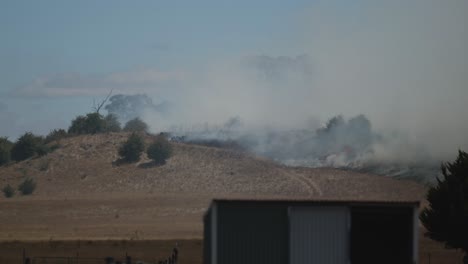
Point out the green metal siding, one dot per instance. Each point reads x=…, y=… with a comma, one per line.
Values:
x=252, y=233
x=382, y=235
x=207, y=243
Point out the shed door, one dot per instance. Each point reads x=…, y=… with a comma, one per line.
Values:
x=319, y=235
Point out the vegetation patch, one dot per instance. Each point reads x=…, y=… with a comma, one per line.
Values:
x=8, y=191
x=130, y=150
x=5, y=148
x=160, y=150
x=27, y=187
x=27, y=146
x=135, y=125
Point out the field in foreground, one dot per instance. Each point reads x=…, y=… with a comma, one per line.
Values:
x=84, y=203
x=95, y=251
x=151, y=251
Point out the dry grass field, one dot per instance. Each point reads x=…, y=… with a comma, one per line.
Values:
x=95, y=251
x=85, y=204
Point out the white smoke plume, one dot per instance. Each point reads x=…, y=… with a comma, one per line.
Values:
x=403, y=64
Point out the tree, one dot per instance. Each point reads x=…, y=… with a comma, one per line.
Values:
x=160, y=150
x=78, y=125
x=131, y=149
x=27, y=146
x=95, y=123
x=5, y=149
x=136, y=125
x=92, y=123
x=446, y=217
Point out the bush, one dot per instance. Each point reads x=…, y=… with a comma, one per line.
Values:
x=136, y=125
x=92, y=123
x=95, y=123
x=27, y=146
x=112, y=123
x=5, y=149
x=131, y=149
x=27, y=186
x=78, y=126
x=160, y=150
x=8, y=191
x=55, y=135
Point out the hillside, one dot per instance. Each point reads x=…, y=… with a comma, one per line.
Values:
x=82, y=193
x=86, y=165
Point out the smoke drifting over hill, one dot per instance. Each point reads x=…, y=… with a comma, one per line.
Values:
x=401, y=64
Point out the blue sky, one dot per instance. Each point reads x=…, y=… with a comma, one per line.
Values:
x=401, y=63
x=46, y=38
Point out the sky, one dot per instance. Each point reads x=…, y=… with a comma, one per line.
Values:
x=272, y=63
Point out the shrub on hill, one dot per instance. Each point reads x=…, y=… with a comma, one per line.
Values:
x=27, y=146
x=5, y=149
x=78, y=126
x=8, y=191
x=112, y=123
x=160, y=150
x=131, y=149
x=92, y=123
x=136, y=125
x=27, y=187
x=55, y=135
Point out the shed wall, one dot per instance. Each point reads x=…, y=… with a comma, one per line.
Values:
x=252, y=234
x=207, y=243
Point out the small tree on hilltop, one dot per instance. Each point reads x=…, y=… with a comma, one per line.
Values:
x=92, y=123
x=112, y=123
x=5, y=149
x=27, y=146
x=95, y=123
x=131, y=149
x=446, y=218
x=78, y=126
x=136, y=125
x=160, y=150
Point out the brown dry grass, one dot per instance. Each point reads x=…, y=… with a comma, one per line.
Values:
x=143, y=250
x=83, y=195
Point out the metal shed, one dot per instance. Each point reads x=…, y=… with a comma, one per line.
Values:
x=279, y=231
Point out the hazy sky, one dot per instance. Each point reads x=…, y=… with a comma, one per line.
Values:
x=275, y=63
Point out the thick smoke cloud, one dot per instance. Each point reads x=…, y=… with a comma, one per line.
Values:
x=402, y=64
